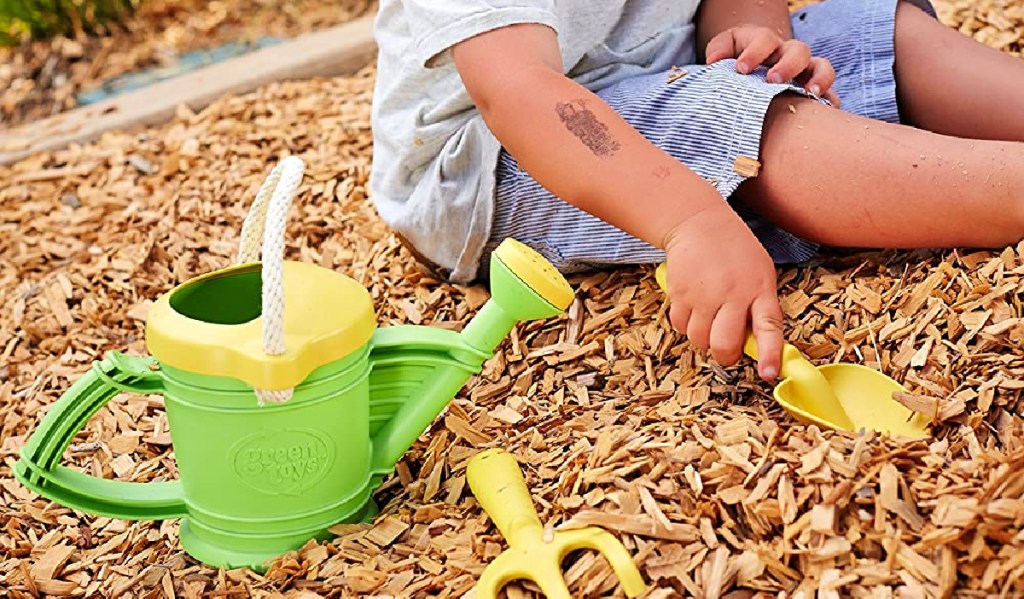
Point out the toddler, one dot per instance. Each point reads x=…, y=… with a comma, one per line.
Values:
x=725, y=136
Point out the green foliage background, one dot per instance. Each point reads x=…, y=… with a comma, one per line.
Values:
x=41, y=19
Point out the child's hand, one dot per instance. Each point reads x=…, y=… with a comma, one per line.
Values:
x=720, y=279
x=753, y=46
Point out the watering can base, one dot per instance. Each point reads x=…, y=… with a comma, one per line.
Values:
x=232, y=550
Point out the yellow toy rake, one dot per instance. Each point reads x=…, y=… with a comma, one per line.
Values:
x=497, y=482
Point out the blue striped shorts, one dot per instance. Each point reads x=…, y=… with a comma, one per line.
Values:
x=706, y=120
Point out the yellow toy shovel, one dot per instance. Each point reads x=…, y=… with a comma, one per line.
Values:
x=497, y=482
x=847, y=397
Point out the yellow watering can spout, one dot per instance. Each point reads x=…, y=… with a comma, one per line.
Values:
x=847, y=397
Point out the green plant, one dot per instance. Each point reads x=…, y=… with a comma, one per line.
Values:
x=40, y=19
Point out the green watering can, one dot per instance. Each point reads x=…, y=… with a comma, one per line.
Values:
x=287, y=406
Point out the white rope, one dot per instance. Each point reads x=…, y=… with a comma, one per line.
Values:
x=266, y=221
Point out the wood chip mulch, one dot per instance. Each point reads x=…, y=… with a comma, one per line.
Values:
x=617, y=422
x=41, y=79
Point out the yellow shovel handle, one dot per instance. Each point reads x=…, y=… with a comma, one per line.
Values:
x=792, y=364
x=791, y=361
x=497, y=482
x=750, y=345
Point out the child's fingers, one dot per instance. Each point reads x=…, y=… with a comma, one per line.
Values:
x=832, y=97
x=819, y=76
x=757, y=48
x=698, y=329
x=795, y=57
x=727, y=333
x=766, y=322
x=720, y=47
x=679, y=316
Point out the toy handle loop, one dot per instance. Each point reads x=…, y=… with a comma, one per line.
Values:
x=263, y=232
x=38, y=468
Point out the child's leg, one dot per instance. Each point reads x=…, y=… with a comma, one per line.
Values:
x=844, y=180
x=949, y=83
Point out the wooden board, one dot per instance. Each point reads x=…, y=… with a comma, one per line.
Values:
x=338, y=50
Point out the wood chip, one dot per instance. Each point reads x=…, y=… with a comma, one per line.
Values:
x=50, y=563
x=746, y=166
x=386, y=531
x=463, y=429
x=935, y=409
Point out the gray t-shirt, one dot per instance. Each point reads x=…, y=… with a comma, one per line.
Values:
x=434, y=161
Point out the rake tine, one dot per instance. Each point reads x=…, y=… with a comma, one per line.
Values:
x=612, y=550
x=548, y=578
x=489, y=584
x=553, y=585
x=496, y=575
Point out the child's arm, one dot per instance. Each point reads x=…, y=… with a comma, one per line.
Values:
x=581, y=150
x=757, y=32
x=570, y=141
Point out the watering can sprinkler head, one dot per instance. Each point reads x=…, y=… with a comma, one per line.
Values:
x=526, y=284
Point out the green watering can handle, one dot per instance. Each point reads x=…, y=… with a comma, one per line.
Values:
x=39, y=470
